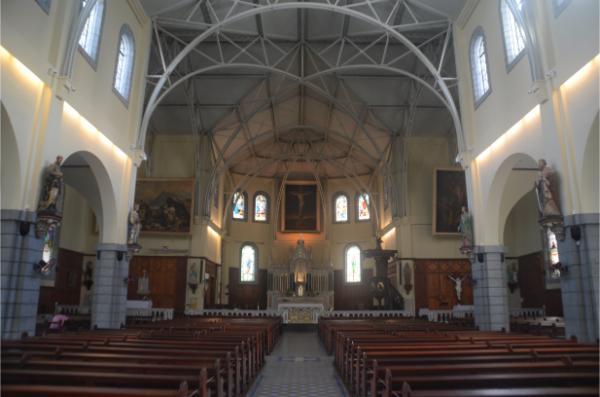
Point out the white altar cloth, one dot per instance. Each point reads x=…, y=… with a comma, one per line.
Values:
x=300, y=313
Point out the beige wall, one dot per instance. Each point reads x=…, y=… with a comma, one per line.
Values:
x=522, y=121
x=522, y=234
x=49, y=119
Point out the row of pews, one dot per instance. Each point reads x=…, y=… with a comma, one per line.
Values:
x=179, y=358
x=412, y=357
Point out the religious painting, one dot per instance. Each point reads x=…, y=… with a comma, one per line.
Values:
x=301, y=209
x=449, y=195
x=165, y=205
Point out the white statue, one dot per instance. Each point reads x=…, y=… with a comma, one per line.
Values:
x=457, y=285
x=134, y=224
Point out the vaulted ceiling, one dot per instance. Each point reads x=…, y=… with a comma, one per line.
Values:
x=301, y=89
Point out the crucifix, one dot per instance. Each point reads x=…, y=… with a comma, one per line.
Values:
x=457, y=285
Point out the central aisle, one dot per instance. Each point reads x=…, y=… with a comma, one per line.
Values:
x=298, y=367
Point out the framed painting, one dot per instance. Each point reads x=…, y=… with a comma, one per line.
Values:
x=449, y=195
x=301, y=210
x=165, y=205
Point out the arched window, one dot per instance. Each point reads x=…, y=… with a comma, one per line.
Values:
x=353, y=264
x=124, y=68
x=248, y=262
x=89, y=41
x=239, y=206
x=363, y=210
x=559, y=6
x=512, y=31
x=261, y=207
x=552, y=253
x=45, y=4
x=340, y=210
x=479, y=67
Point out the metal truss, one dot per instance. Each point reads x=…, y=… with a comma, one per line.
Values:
x=267, y=54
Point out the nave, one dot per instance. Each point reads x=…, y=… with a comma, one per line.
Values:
x=258, y=357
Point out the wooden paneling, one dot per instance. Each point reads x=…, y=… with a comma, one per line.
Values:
x=67, y=285
x=532, y=286
x=433, y=287
x=354, y=296
x=247, y=295
x=167, y=276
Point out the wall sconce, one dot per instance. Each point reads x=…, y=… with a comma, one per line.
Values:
x=24, y=228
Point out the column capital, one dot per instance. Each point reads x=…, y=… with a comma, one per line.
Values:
x=111, y=247
x=582, y=219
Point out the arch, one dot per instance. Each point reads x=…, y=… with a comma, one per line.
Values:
x=86, y=173
x=259, y=9
x=341, y=203
x=352, y=263
x=507, y=188
x=589, y=171
x=248, y=262
x=11, y=164
x=261, y=207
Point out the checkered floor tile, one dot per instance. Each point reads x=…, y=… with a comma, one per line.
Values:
x=298, y=367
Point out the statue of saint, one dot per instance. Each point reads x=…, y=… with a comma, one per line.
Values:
x=53, y=188
x=134, y=225
x=466, y=227
x=547, y=192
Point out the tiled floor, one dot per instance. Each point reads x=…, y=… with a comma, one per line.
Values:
x=298, y=367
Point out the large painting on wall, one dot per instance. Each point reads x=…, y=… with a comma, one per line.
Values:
x=165, y=204
x=449, y=195
x=301, y=209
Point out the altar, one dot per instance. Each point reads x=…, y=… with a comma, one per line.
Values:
x=300, y=312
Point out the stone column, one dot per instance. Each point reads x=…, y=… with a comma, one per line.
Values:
x=490, y=293
x=579, y=277
x=21, y=250
x=109, y=292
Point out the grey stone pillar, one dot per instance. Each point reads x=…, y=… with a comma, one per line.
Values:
x=109, y=292
x=579, y=278
x=20, y=282
x=490, y=292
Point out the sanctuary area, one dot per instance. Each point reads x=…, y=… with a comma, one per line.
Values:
x=300, y=197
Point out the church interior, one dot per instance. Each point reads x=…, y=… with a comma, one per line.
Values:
x=300, y=197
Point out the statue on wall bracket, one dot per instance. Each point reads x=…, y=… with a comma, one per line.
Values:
x=547, y=194
x=52, y=196
x=134, y=226
x=466, y=230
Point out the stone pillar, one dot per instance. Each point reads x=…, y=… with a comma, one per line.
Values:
x=109, y=292
x=579, y=278
x=21, y=250
x=490, y=292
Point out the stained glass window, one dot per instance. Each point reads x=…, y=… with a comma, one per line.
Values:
x=353, y=264
x=239, y=205
x=49, y=250
x=341, y=208
x=553, y=253
x=363, y=207
x=261, y=205
x=248, y=263
x=89, y=41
